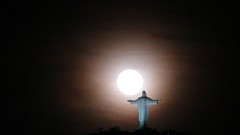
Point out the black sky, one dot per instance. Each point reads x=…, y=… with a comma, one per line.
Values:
x=59, y=60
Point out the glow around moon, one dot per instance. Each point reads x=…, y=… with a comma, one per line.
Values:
x=130, y=82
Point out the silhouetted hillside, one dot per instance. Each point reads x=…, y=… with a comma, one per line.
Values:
x=147, y=131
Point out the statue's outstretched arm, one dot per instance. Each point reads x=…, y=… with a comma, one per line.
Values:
x=153, y=102
x=132, y=101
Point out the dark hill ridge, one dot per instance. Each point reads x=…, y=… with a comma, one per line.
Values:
x=147, y=131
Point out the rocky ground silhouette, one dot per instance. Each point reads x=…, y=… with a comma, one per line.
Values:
x=147, y=131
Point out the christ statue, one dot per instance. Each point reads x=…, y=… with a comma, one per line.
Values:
x=143, y=103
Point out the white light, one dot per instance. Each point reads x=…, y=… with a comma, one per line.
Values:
x=130, y=82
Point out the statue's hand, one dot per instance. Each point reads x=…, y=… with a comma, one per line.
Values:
x=129, y=100
x=132, y=101
x=158, y=100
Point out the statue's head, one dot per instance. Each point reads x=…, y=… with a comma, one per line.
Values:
x=144, y=94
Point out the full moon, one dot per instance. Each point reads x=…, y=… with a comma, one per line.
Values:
x=130, y=82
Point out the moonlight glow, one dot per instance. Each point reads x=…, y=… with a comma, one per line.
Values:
x=130, y=82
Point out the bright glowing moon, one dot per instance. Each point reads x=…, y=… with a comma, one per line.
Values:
x=130, y=82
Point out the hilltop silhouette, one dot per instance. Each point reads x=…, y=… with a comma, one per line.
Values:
x=147, y=131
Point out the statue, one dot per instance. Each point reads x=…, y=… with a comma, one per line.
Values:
x=143, y=103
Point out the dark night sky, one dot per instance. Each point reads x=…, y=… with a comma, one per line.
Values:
x=60, y=61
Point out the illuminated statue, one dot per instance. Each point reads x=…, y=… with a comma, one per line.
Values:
x=143, y=103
